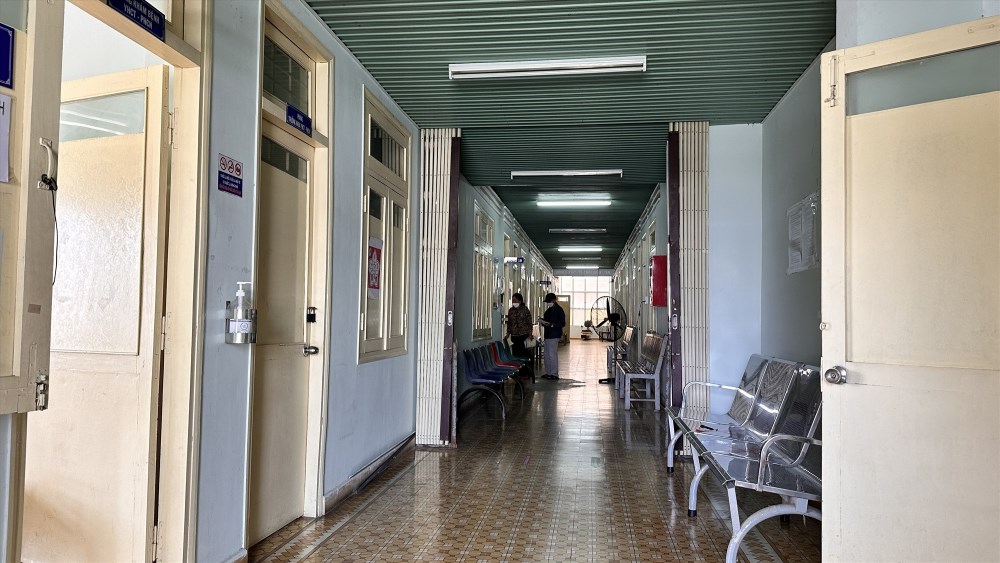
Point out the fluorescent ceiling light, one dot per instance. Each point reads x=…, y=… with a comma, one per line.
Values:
x=553, y=231
x=579, y=249
x=552, y=67
x=574, y=203
x=582, y=267
x=536, y=173
x=592, y=259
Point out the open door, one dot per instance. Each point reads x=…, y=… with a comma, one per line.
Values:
x=29, y=101
x=98, y=503
x=911, y=305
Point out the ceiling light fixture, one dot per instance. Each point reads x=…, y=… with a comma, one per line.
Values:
x=574, y=203
x=565, y=173
x=582, y=267
x=591, y=258
x=580, y=249
x=551, y=67
x=574, y=230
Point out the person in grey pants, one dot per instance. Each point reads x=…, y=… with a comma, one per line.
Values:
x=553, y=320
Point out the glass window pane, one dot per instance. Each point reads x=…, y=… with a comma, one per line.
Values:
x=107, y=116
x=14, y=13
x=952, y=75
x=384, y=148
x=284, y=159
x=284, y=78
x=591, y=283
x=375, y=204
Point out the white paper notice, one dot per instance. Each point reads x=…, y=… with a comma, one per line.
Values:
x=802, y=254
x=6, y=106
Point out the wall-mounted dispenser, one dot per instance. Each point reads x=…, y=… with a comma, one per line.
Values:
x=241, y=318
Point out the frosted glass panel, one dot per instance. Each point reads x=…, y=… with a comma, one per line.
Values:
x=107, y=116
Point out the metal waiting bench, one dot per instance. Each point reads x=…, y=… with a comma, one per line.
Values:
x=619, y=350
x=775, y=417
x=647, y=369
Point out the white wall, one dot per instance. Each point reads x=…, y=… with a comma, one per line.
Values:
x=734, y=250
x=790, y=303
x=371, y=406
x=91, y=48
x=235, y=118
x=864, y=21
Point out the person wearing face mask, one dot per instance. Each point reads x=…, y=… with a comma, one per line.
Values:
x=553, y=320
x=519, y=325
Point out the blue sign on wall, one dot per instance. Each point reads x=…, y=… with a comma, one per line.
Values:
x=299, y=120
x=6, y=56
x=144, y=15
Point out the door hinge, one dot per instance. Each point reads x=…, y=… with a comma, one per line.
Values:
x=832, y=99
x=156, y=542
x=42, y=390
x=171, y=123
x=163, y=333
x=362, y=325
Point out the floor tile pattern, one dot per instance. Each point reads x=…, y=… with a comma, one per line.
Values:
x=569, y=476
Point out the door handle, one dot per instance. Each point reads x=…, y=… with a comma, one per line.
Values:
x=836, y=375
x=310, y=350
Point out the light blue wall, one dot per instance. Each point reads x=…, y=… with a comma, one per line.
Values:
x=734, y=250
x=790, y=303
x=6, y=466
x=371, y=406
x=865, y=21
x=235, y=118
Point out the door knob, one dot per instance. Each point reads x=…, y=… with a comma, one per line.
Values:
x=310, y=350
x=836, y=375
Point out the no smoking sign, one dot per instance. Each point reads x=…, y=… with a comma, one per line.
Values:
x=230, y=175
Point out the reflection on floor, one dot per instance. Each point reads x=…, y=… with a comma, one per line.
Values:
x=569, y=476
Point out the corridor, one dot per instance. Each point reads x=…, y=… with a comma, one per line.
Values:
x=568, y=477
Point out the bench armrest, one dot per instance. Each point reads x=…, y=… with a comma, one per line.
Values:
x=684, y=391
x=779, y=438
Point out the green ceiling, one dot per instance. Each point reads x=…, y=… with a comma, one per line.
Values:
x=725, y=61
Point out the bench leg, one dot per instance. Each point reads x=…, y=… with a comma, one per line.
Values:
x=734, y=507
x=520, y=387
x=693, y=495
x=503, y=406
x=656, y=390
x=627, y=386
x=800, y=507
x=675, y=435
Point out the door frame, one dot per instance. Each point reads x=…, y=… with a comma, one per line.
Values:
x=835, y=67
x=189, y=49
x=293, y=34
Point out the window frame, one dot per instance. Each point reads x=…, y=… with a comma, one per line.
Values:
x=394, y=189
x=483, y=275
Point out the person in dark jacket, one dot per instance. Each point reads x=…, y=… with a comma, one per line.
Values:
x=519, y=325
x=553, y=320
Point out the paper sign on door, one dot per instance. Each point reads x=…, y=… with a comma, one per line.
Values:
x=374, y=268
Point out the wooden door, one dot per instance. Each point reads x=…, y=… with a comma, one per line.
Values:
x=911, y=305
x=90, y=472
x=281, y=370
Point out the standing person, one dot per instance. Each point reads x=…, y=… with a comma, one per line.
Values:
x=519, y=325
x=553, y=320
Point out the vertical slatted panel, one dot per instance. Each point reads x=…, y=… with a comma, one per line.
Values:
x=435, y=183
x=694, y=255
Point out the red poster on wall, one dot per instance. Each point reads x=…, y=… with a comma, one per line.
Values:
x=374, y=268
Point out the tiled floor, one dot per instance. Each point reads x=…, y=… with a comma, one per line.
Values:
x=569, y=476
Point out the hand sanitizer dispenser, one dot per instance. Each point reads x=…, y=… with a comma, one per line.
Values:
x=241, y=318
